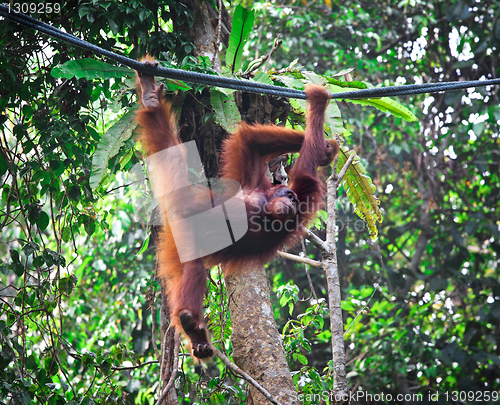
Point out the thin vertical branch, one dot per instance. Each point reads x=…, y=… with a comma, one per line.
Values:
x=217, y=34
x=171, y=380
x=330, y=263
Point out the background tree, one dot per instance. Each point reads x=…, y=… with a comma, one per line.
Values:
x=432, y=322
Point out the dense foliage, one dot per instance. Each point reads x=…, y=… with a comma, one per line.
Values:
x=77, y=279
x=432, y=325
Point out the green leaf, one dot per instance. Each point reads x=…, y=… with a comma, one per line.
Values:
x=74, y=193
x=88, y=224
x=173, y=84
x=80, y=272
x=291, y=81
x=126, y=158
x=227, y=114
x=109, y=145
x=343, y=72
x=30, y=248
x=58, y=167
x=105, y=367
x=144, y=246
x=253, y=64
x=88, y=358
x=262, y=77
x=52, y=257
x=389, y=105
x=17, y=268
x=43, y=221
x=302, y=359
x=31, y=363
x=50, y=365
x=242, y=26
x=82, y=11
x=21, y=398
x=89, y=69
x=360, y=191
x=3, y=166
x=313, y=78
x=384, y=104
x=333, y=122
x=112, y=24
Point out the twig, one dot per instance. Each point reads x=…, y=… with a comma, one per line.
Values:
x=217, y=34
x=375, y=287
x=362, y=310
x=125, y=185
x=315, y=240
x=301, y=259
x=343, y=171
x=265, y=59
x=14, y=355
x=136, y=366
x=151, y=298
x=162, y=358
x=313, y=291
x=92, y=382
x=233, y=367
x=174, y=369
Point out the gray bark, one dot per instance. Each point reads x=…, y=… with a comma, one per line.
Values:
x=257, y=343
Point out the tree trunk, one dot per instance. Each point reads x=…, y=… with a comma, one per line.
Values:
x=340, y=387
x=257, y=343
x=202, y=32
x=258, y=347
x=167, y=353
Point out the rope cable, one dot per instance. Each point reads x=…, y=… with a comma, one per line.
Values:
x=237, y=84
x=195, y=77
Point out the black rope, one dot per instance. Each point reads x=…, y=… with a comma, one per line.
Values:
x=194, y=77
x=236, y=84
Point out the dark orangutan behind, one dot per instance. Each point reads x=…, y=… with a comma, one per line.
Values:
x=274, y=212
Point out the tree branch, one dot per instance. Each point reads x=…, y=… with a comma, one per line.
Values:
x=164, y=394
x=301, y=259
x=315, y=240
x=340, y=386
x=244, y=375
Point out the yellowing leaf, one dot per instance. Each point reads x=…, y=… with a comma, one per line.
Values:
x=360, y=191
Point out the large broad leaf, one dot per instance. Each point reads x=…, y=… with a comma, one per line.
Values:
x=333, y=122
x=384, y=104
x=388, y=104
x=313, y=77
x=242, y=26
x=262, y=77
x=173, y=84
x=290, y=81
x=109, y=145
x=89, y=69
x=333, y=117
x=227, y=114
x=360, y=191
